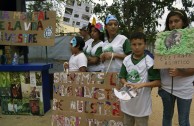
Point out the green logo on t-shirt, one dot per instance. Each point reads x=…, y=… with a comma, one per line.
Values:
x=133, y=76
x=108, y=49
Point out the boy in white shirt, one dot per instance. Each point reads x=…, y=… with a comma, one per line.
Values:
x=78, y=60
x=137, y=72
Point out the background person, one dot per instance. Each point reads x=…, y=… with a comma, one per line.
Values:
x=84, y=32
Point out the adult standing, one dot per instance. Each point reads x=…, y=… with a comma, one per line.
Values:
x=115, y=48
x=176, y=83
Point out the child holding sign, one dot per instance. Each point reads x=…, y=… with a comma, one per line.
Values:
x=182, y=90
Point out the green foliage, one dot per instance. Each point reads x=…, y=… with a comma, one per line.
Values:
x=133, y=15
x=140, y=15
x=54, y=5
x=39, y=6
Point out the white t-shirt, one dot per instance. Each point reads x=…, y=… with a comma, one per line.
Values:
x=182, y=86
x=141, y=105
x=91, y=51
x=115, y=46
x=77, y=61
x=86, y=43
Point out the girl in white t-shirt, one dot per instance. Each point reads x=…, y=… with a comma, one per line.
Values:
x=176, y=83
x=115, y=48
x=94, y=48
x=78, y=60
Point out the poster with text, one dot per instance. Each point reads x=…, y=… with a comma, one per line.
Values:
x=27, y=28
x=86, y=99
x=174, y=49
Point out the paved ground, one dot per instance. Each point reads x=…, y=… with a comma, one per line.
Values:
x=21, y=120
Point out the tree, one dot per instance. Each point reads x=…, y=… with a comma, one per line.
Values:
x=52, y=5
x=133, y=15
x=140, y=15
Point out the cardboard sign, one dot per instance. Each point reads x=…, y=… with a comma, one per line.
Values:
x=174, y=49
x=27, y=28
x=86, y=99
x=174, y=61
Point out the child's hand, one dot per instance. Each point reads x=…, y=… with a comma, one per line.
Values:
x=65, y=65
x=135, y=86
x=89, y=58
x=128, y=85
x=106, y=56
x=174, y=72
x=102, y=58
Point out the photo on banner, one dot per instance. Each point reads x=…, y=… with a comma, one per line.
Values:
x=174, y=49
x=18, y=96
x=77, y=13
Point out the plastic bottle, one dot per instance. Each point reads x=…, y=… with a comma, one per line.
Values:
x=3, y=59
x=15, y=59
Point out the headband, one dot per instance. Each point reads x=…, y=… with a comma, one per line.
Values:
x=110, y=17
x=178, y=12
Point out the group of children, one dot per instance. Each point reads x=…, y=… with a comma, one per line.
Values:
x=135, y=67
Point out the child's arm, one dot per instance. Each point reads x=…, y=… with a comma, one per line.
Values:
x=108, y=55
x=155, y=83
x=82, y=69
x=93, y=60
x=66, y=66
x=125, y=83
x=181, y=72
x=96, y=58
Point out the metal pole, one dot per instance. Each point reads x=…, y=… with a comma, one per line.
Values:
x=46, y=55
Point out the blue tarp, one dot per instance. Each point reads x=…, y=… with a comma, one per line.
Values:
x=60, y=51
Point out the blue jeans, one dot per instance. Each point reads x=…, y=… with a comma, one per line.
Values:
x=183, y=106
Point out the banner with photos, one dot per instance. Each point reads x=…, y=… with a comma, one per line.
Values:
x=27, y=28
x=21, y=93
x=86, y=99
x=77, y=13
x=174, y=49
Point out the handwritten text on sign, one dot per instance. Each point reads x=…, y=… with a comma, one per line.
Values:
x=27, y=28
x=86, y=99
x=174, y=61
